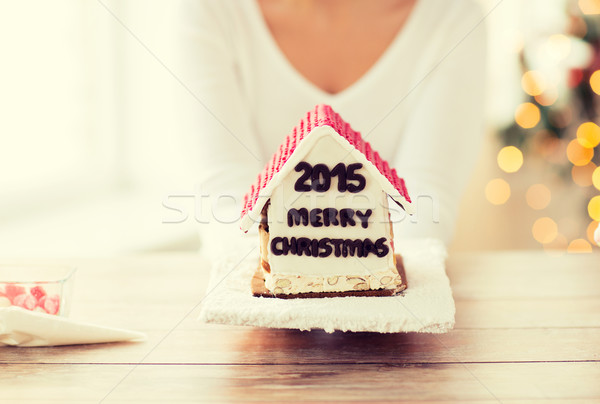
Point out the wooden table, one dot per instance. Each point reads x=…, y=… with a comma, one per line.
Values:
x=527, y=329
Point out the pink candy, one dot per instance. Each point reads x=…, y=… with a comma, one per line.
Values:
x=10, y=291
x=37, y=298
x=38, y=292
x=50, y=303
x=25, y=301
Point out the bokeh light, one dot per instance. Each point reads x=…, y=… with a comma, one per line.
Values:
x=527, y=115
x=596, y=178
x=497, y=191
x=577, y=154
x=544, y=230
x=510, y=159
x=590, y=231
x=579, y=246
x=594, y=208
x=558, y=46
x=533, y=83
x=589, y=6
x=595, y=81
x=588, y=134
x=582, y=175
x=538, y=196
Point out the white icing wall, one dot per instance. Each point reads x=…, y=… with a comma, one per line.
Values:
x=328, y=151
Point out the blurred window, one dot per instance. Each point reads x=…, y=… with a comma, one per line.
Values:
x=57, y=126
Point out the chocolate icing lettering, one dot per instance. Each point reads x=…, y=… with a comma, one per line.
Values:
x=326, y=246
x=300, y=185
x=327, y=217
x=304, y=246
x=364, y=217
x=330, y=217
x=346, y=217
x=274, y=249
x=314, y=247
x=290, y=246
x=351, y=175
x=353, y=247
x=315, y=218
x=340, y=171
x=337, y=242
x=382, y=249
x=369, y=247
x=318, y=178
x=297, y=216
x=321, y=178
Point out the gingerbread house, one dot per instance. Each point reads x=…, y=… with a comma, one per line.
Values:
x=321, y=204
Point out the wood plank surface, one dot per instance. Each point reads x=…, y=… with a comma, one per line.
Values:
x=223, y=345
x=374, y=382
x=527, y=330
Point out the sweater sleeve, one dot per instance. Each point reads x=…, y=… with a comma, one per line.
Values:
x=224, y=145
x=221, y=143
x=441, y=144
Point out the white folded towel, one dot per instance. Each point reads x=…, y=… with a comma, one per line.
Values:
x=425, y=306
x=20, y=327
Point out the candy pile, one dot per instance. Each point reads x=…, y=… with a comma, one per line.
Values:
x=36, y=299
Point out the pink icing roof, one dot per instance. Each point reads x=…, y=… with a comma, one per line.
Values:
x=321, y=115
